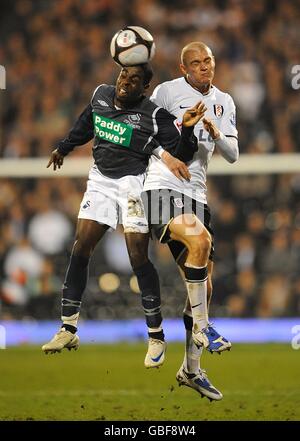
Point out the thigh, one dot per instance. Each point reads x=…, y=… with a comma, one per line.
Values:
x=98, y=207
x=204, y=211
x=187, y=228
x=162, y=207
x=99, y=202
x=88, y=234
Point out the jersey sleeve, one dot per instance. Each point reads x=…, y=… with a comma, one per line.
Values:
x=228, y=123
x=81, y=132
x=182, y=143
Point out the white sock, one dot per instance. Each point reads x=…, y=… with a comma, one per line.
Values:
x=192, y=354
x=72, y=320
x=197, y=292
x=155, y=329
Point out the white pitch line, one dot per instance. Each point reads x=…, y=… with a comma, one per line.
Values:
x=131, y=392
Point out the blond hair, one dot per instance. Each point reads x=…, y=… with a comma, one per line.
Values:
x=194, y=45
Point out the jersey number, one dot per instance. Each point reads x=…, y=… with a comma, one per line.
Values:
x=204, y=138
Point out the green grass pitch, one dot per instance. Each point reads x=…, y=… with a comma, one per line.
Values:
x=109, y=382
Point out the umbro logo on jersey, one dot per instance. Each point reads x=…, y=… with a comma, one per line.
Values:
x=185, y=107
x=219, y=110
x=86, y=205
x=103, y=103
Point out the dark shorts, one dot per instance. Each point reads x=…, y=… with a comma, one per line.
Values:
x=162, y=206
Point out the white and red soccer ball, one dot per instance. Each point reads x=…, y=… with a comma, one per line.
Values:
x=132, y=45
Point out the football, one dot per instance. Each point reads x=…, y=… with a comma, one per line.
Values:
x=132, y=45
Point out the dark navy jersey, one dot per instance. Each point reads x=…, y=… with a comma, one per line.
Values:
x=124, y=139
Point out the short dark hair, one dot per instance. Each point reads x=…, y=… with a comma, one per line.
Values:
x=148, y=73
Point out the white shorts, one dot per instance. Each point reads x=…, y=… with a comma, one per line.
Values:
x=112, y=201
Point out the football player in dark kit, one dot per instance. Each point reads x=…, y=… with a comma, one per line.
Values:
x=127, y=128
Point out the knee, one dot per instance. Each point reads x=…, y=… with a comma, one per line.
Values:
x=83, y=247
x=200, y=246
x=137, y=257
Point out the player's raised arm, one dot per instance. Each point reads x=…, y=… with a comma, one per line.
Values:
x=175, y=165
x=188, y=143
x=192, y=116
x=81, y=133
x=181, y=143
x=227, y=145
x=56, y=158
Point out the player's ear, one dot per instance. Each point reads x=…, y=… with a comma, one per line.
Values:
x=183, y=69
x=146, y=86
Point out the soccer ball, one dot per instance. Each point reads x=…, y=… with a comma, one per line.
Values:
x=132, y=45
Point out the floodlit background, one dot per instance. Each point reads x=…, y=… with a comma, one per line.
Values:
x=55, y=54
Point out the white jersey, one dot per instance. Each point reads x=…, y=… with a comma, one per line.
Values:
x=177, y=96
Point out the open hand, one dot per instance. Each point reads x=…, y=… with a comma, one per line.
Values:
x=177, y=167
x=211, y=128
x=193, y=115
x=56, y=158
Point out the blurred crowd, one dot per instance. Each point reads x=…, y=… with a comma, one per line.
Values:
x=55, y=54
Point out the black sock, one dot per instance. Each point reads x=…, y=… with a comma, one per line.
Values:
x=74, y=285
x=195, y=274
x=69, y=328
x=149, y=285
x=159, y=335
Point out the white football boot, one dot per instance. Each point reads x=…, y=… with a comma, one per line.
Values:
x=62, y=339
x=200, y=383
x=156, y=353
x=210, y=339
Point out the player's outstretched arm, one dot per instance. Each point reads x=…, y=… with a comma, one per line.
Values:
x=192, y=116
x=211, y=128
x=227, y=146
x=81, y=133
x=177, y=167
x=57, y=159
x=188, y=144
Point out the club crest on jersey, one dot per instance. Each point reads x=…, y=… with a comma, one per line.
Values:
x=103, y=103
x=133, y=120
x=177, y=202
x=219, y=110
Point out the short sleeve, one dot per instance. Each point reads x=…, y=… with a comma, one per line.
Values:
x=160, y=96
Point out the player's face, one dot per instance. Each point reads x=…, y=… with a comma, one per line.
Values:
x=130, y=85
x=198, y=67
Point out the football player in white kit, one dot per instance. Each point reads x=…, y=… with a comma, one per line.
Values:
x=184, y=216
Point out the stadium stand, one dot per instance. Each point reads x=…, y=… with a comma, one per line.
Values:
x=55, y=53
